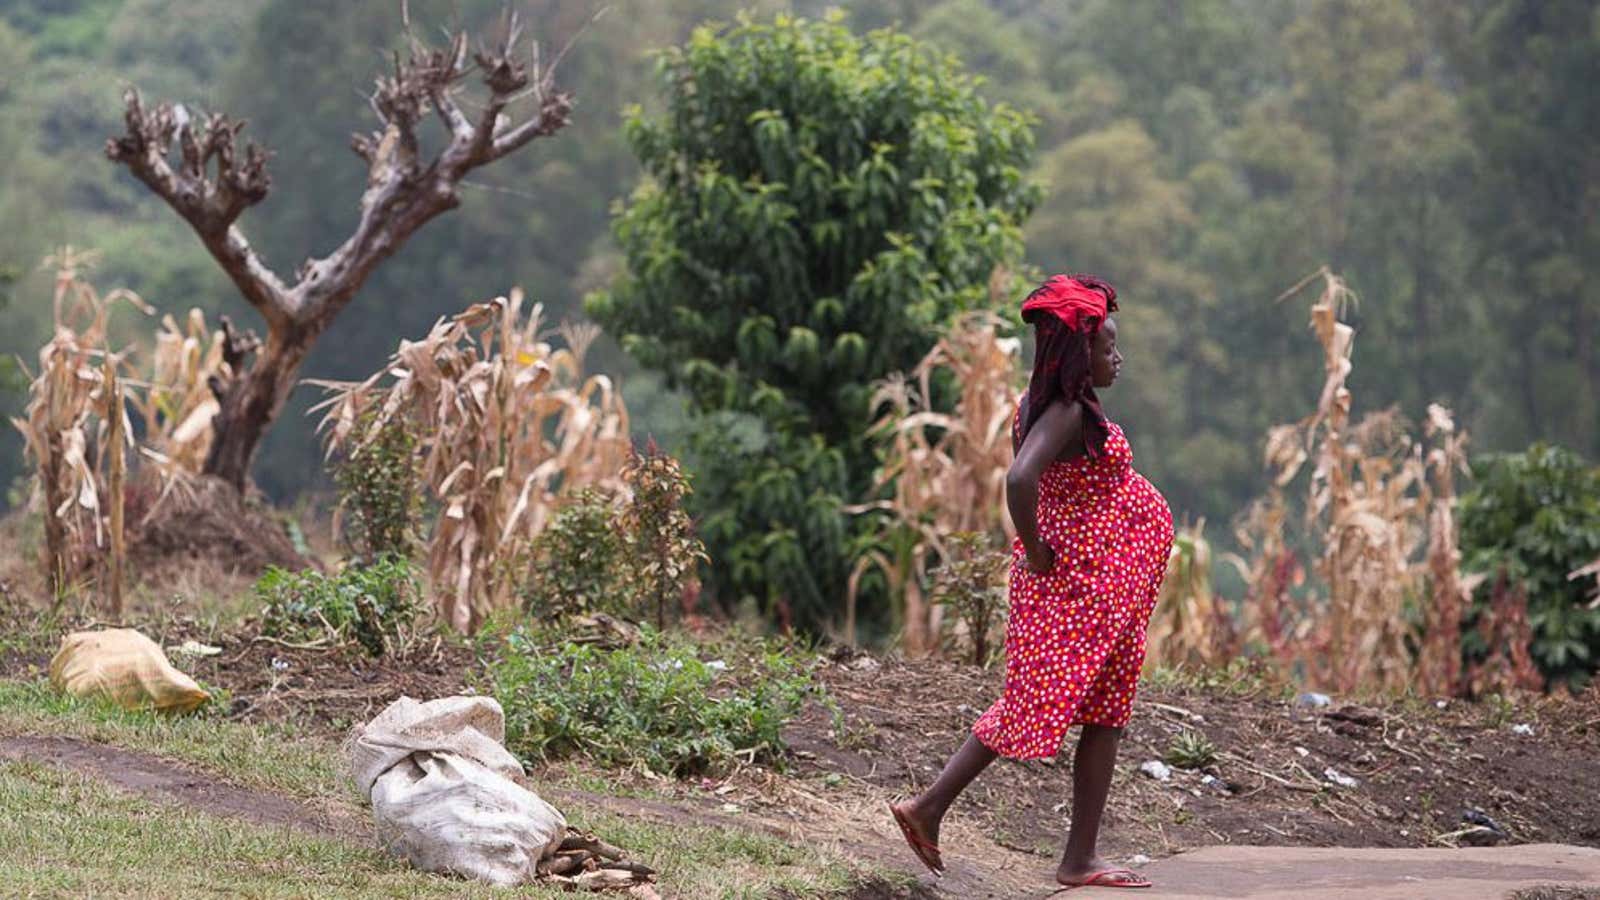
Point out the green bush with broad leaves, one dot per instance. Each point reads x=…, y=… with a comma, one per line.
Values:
x=1536, y=516
x=375, y=605
x=816, y=206
x=657, y=704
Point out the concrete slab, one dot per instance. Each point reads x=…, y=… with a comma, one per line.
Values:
x=1323, y=873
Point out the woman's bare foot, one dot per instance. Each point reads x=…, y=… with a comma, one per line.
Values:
x=1099, y=873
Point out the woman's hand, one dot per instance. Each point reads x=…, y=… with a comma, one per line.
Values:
x=1041, y=558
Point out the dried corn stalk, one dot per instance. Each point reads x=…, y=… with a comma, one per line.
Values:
x=1363, y=506
x=1379, y=506
x=176, y=402
x=1191, y=625
x=75, y=427
x=947, y=470
x=1449, y=594
x=506, y=427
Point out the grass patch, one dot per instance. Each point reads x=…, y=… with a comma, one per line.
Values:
x=64, y=834
x=258, y=756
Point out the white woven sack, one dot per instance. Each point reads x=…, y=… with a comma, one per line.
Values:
x=443, y=790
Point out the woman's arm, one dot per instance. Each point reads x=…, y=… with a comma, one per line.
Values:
x=1059, y=428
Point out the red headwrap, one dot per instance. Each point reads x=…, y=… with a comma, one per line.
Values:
x=1080, y=301
x=1066, y=312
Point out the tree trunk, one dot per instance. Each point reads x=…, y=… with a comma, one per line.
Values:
x=252, y=402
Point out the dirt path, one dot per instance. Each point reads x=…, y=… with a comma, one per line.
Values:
x=167, y=781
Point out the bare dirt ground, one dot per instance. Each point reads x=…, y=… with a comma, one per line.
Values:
x=1417, y=768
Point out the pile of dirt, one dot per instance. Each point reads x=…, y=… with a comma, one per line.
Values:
x=1285, y=771
x=204, y=518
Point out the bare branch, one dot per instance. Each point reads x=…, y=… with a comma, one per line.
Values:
x=210, y=205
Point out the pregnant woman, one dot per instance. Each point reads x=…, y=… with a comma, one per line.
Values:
x=1093, y=537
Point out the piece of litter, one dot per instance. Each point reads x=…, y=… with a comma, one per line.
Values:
x=1339, y=778
x=1311, y=698
x=1138, y=859
x=1156, y=769
x=1302, y=751
x=1523, y=729
x=730, y=808
x=193, y=647
x=1059, y=807
x=717, y=665
x=1440, y=704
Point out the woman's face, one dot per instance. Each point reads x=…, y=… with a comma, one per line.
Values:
x=1105, y=360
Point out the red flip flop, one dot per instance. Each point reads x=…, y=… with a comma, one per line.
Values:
x=1097, y=879
x=926, y=851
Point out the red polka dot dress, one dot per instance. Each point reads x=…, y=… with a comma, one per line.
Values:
x=1075, y=636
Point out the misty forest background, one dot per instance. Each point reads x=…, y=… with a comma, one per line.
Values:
x=1204, y=156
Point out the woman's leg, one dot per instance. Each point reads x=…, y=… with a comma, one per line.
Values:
x=926, y=810
x=1092, y=767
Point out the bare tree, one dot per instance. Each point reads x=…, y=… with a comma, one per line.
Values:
x=403, y=192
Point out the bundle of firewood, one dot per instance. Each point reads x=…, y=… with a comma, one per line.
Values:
x=584, y=862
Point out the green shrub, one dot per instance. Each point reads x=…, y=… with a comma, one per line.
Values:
x=1536, y=515
x=971, y=586
x=632, y=559
x=374, y=605
x=578, y=564
x=379, y=493
x=663, y=550
x=656, y=704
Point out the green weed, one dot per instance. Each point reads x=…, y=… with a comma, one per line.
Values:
x=375, y=604
x=657, y=704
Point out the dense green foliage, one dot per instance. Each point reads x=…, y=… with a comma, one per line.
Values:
x=817, y=205
x=374, y=605
x=1202, y=155
x=657, y=704
x=1536, y=515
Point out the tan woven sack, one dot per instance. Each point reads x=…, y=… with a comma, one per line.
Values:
x=125, y=666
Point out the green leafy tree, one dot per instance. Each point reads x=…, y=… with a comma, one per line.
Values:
x=1536, y=516
x=816, y=205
